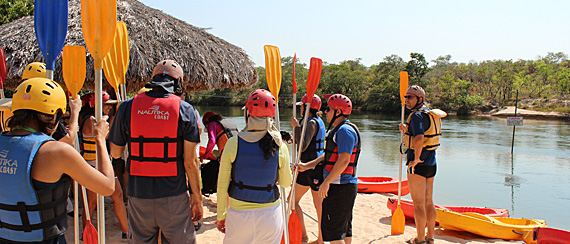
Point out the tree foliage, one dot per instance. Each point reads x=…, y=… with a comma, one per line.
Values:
x=14, y=9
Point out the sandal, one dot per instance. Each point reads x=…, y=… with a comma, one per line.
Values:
x=415, y=241
x=430, y=240
x=305, y=240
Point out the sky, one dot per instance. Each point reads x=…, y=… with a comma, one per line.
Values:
x=335, y=31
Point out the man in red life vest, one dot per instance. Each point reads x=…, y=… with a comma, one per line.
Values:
x=162, y=133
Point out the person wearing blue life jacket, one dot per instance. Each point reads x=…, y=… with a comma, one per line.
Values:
x=339, y=185
x=422, y=131
x=251, y=166
x=162, y=132
x=313, y=147
x=36, y=171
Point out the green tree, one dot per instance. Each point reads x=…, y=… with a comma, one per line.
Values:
x=417, y=68
x=11, y=10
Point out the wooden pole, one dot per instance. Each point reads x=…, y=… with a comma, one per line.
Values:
x=514, y=126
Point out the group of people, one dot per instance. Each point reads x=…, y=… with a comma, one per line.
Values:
x=159, y=132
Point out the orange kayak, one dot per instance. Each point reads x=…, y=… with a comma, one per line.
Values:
x=382, y=185
x=408, y=208
x=203, y=151
x=545, y=235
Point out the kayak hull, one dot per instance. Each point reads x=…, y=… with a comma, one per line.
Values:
x=408, y=208
x=492, y=227
x=545, y=235
x=382, y=185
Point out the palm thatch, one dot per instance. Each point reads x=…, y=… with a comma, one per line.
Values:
x=208, y=61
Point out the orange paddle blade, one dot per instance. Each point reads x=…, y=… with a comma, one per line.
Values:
x=98, y=22
x=398, y=221
x=74, y=65
x=314, y=76
x=116, y=62
x=403, y=86
x=90, y=235
x=273, y=69
x=295, y=231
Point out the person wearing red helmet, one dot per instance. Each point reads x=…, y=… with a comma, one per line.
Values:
x=422, y=131
x=338, y=183
x=252, y=165
x=162, y=133
x=219, y=131
x=313, y=147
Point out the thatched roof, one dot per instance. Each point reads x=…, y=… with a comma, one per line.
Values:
x=208, y=61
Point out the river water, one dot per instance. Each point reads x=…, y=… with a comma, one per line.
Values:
x=475, y=166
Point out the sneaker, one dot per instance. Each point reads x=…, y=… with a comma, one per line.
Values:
x=198, y=226
x=124, y=236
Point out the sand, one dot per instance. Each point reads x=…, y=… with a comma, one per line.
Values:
x=371, y=224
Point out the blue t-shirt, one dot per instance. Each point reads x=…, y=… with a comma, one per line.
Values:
x=346, y=140
x=155, y=187
x=419, y=123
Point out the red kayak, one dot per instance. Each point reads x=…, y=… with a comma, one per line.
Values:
x=382, y=185
x=546, y=235
x=408, y=208
x=203, y=151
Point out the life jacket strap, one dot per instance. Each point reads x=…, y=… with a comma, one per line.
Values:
x=241, y=186
x=23, y=209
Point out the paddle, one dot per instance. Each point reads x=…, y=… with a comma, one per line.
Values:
x=294, y=104
x=98, y=20
x=273, y=76
x=50, y=23
x=89, y=233
x=116, y=62
x=73, y=66
x=3, y=71
x=398, y=219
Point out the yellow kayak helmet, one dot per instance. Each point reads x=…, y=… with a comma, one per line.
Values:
x=34, y=70
x=39, y=94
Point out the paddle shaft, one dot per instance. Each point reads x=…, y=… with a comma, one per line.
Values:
x=298, y=158
x=400, y=163
x=98, y=115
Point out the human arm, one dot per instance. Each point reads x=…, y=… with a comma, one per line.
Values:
x=74, y=108
x=228, y=156
x=193, y=175
x=213, y=128
x=418, y=146
x=310, y=132
x=285, y=177
x=338, y=168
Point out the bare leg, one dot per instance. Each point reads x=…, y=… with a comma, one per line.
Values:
x=119, y=206
x=300, y=191
x=417, y=184
x=318, y=202
x=430, y=208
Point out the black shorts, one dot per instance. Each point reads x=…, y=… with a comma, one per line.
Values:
x=425, y=171
x=337, y=212
x=303, y=177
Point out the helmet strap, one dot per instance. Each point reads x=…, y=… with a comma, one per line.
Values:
x=333, y=120
x=418, y=103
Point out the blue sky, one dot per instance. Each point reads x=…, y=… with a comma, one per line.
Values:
x=371, y=30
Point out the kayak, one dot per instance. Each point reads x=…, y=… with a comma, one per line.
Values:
x=203, y=151
x=545, y=235
x=408, y=209
x=492, y=227
x=382, y=185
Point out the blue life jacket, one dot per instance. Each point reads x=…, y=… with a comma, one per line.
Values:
x=253, y=177
x=28, y=214
x=316, y=147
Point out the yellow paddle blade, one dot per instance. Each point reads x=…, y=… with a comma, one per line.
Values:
x=74, y=65
x=98, y=21
x=116, y=61
x=398, y=221
x=273, y=69
x=403, y=86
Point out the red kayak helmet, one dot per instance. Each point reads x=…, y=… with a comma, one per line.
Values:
x=206, y=117
x=340, y=102
x=92, y=98
x=315, y=102
x=261, y=103
x=416, y=91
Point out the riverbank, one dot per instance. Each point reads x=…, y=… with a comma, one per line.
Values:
x=509, y=111
x=371, y=224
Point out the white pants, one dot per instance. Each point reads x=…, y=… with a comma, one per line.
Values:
x=254, y=226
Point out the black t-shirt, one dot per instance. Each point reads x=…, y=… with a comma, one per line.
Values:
x=60, y=131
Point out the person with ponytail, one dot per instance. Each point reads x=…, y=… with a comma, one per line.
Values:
x=251, y=166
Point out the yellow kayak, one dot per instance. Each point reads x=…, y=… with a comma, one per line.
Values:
x=492, y=227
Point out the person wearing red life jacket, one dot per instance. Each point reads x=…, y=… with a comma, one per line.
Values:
x=339, y=185
x=36, y=171
x=219, y=131
x=252, y=165
x=162, y=132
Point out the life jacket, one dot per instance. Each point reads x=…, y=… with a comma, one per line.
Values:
x=88, y=146
x=229, y=130
x=253, y=177
x=331, y=151
x=316, y=147
x=154, y=141
x=432, y=134
x=27, y=214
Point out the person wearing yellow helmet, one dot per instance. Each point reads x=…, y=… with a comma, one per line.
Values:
x=39, y=169
x=34, y=70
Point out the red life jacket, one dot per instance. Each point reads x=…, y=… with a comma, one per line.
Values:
x=331, y=151
x=154, y=142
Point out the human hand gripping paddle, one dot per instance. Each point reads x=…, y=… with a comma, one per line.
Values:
x=116, y=62
x=3, y=72
x=398, y=219
x=73, y=66
x=99, y=20
x=50, y=23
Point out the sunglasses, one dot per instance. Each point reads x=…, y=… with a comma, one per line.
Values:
x=328, y=109
x=409, y=96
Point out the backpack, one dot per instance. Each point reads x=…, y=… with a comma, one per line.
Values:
x=209, y=173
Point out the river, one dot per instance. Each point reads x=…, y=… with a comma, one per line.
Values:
x=475, y=166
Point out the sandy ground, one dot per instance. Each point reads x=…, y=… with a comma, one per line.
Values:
x=371, y=224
